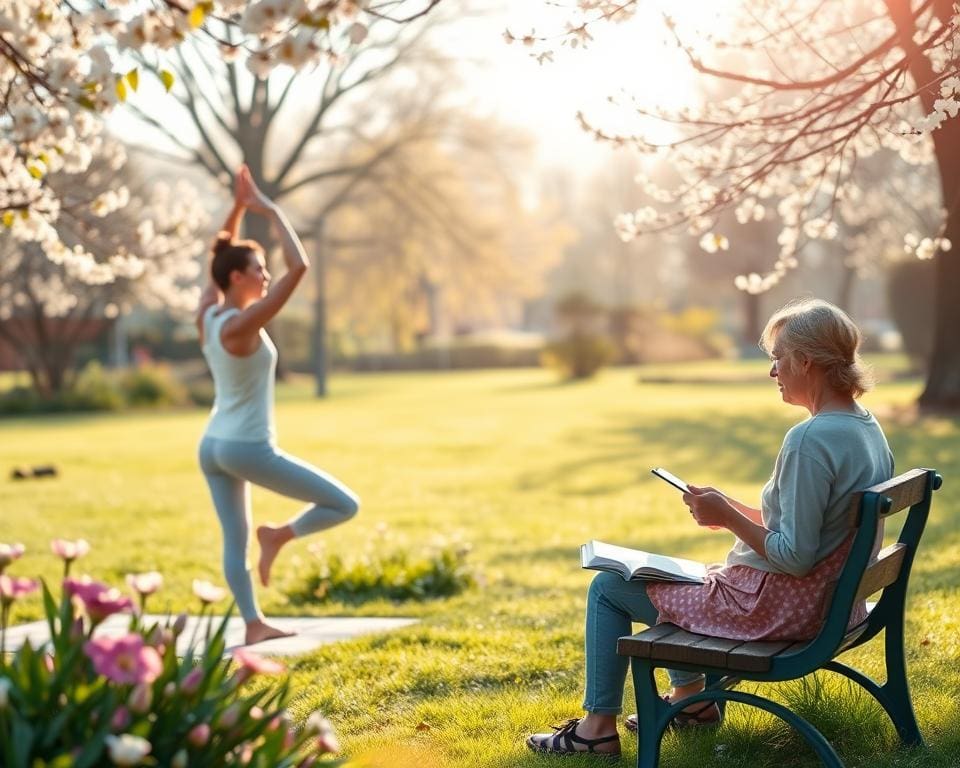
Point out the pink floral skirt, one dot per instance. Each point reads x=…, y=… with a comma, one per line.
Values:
x=743, y=603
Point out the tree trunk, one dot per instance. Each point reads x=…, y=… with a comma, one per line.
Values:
x=751, y=321
x=318, y=264
x=848, y=276
x=942, y=390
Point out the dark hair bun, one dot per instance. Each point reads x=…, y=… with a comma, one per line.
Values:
x=223, y=242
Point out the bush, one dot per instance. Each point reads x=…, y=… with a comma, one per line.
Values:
x=87, y=700
x=385, y=571
x=579, y=356
x=152, y=384
x=19, y=401
x=94, y=390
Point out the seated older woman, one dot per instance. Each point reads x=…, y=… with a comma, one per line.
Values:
x=773, y=584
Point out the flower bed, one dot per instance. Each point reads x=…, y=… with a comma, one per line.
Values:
x=85, y=700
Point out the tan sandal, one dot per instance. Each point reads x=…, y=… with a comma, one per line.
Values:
x=707, y=715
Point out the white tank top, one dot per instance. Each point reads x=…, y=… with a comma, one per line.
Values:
x=243, y=386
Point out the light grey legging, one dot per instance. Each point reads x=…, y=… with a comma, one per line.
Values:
x=230, y=466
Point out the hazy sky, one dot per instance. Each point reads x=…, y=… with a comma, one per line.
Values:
x=632, y=57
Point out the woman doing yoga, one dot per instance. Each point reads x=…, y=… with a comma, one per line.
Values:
x=239, y=444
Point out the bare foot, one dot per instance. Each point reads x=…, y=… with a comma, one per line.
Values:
x=258, y=631
x=271, y=539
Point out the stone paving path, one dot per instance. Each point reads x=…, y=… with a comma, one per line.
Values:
x=312, y=632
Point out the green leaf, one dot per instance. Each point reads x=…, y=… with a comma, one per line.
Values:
x=133, y=78
x=166, y=77
x=22, y=741
x=86, y=102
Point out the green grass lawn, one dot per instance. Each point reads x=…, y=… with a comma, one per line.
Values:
x=525, y=469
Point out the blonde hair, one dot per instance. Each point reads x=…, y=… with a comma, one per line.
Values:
x=824, y=335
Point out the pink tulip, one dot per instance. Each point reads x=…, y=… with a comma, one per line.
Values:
x=207, y=592
x=120, y=719
x=191, y=683
x=180, y=624
x=9, y=553
x=246, y=753
x=229, y=717
x=327, y=741
x=199, y=735
x=144, y=584
x=124, y=660
x=250, y=664
x=69, y=550
x=141, y=697
x=98, y=599
x=12, y=588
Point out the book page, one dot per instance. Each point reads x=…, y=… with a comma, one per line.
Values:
x=637, y=561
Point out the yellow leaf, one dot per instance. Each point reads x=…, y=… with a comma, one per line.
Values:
x=8, y=218
x=86, y=101
x=121, y=89
x=166, y=76
x=197, y=15
x=35, y=170
x=133, y=78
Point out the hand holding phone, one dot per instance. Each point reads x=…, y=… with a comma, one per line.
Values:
x=671, y=478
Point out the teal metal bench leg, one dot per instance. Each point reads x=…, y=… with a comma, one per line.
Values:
x=815, y=739
x=651, y=714
x=711, y=682
x=896, y=688
x=905, y=722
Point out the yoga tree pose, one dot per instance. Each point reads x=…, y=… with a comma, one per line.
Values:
x=239, y=445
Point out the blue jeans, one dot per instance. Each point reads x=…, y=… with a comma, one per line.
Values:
x=612, y=606
x=230, y=466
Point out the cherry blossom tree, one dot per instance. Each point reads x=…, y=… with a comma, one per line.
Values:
x=63, y=70
x=820, y=86
x=135, y=244
x=299, y=130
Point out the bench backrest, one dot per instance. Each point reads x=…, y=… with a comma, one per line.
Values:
x=865, y=573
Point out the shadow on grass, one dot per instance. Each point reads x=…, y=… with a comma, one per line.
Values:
x=746, y=453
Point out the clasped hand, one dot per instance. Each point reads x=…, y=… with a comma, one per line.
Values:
x=247, y=194
x=708, y=506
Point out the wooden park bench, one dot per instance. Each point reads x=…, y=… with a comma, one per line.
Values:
x=727, y=662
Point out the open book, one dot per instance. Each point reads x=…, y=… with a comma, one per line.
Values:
x=636, y=564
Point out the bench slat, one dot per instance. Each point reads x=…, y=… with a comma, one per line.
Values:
x=903, y=490
x=755, y=656
x=670, y=644
x=683, y=646
x=640, y=644
x=883, y=571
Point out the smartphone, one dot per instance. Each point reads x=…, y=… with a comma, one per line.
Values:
x=669, y=477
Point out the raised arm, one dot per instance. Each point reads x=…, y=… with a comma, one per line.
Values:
x=211, y=293
x=249, y=322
